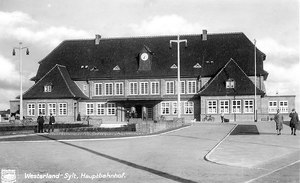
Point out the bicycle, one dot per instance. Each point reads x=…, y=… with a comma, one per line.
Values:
x=208, y=118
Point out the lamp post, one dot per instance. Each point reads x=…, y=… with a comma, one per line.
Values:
x=20, y=48
x=255, y=106
x=178, y=41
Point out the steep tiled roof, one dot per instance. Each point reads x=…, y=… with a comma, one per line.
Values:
x=124, y=53
x=217, y=85
x=62, y=86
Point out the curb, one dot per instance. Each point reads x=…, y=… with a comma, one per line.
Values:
x=207, y=156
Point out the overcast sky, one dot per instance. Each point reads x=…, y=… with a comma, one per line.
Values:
x=42, y=24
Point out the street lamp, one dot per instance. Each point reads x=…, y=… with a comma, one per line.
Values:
x=178, y=41
x=20, y=48
x=255, y=105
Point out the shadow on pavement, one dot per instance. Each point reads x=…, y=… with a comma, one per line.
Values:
x=245, y=130
x=133, y=165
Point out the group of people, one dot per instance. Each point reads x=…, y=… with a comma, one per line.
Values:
x=278, y=118
x=41, y=121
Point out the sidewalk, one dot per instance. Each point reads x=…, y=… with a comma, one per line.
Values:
x=257, y=151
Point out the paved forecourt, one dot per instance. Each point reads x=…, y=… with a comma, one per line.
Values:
x=171, y=157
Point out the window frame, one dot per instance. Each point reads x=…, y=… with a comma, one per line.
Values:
x=236, y=106
x=100, y=89
x=213, y=107
x=133, y=88
x=170, y=88
x=63, y=109
x=100, y=110
x=191, y=88
x=119, y=90
x=51, y=109
x=154, y=86
x=165, y=108
x=40, y=108
x=249, y=108
x=144, y=88
x=224, y=106
x=109, y=89
x=31, y=109
x=188, y=107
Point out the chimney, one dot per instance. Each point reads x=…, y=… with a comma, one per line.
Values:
x=97, y=39
x=204, y=35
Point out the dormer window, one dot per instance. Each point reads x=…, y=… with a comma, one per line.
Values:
x=230, y=83
x=48, y=87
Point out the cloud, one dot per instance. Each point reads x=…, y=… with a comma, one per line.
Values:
x=20, y=26
x=9, y=76
x=166, y=24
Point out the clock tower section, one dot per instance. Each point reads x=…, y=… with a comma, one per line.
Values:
x=145, y=59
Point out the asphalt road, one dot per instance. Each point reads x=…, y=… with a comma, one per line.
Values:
x=172, y=157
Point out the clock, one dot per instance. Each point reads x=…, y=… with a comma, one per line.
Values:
x=144, y=56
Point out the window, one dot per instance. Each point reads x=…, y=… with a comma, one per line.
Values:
x=165, y=108
x=119, y=89
x=42, y=109
x=212, y=107
x=133, y=86
x=154, y=88
x=182, y=90
x=169, y=87
x=283, y=106
x=62, y=109
x=230, y=83
x=108, y=89
x=144, y=88
x=248, y=106
x=111, y=109
x=174, y=107
x=30, y=109
x=52, y=109
x=272, y=106
x=224, y=106
x=98, y=89
x=191, y=87
x=188, y=107
x=89, y=109
x=100, y=109
x=236, y=106
x=48, y=87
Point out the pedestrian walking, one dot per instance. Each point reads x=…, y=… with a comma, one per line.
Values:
x=51, y=123
x=294, y=121
x=40, y=121
x=278, y=118
x=222, y=117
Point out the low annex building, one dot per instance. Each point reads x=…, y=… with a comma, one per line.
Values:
x=108, y=78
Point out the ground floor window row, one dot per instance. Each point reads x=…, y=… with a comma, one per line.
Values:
x=170, y=107
x=227, y=106
x=43, y=109
x=100, y=108
x=281, y=105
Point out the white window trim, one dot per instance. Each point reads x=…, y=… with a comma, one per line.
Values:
x=182, y=85
x=92, y=107
x=193, y=88
x=113, y=108
x=170, y=89
x=188, y=106
x=228, y=106
x=146, y=90
x=100, y=85
x=213, y=106
x=240, y=106
x=98, y=106
x=112, y=89
x=272, y=109
x=174, y=107
x=49, y=109
x=31, y=109
x=283, y=108
x=61, y=113
x=121, y=88
x=168, y=106
x=156, y=84
x=132, y=88
x=41, y=108
x=249, y=106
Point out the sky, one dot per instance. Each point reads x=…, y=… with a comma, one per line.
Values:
x=41, y=25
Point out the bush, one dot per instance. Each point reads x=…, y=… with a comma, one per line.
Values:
x=33, y=127
x=127, y=128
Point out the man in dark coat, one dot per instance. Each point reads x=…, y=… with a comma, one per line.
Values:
x=51, y=123
x=294, y=121
x=40, y=121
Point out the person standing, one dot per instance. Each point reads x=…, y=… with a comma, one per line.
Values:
x=51, y=123
x=294, y=121
x=278, y=118
x=40, y=121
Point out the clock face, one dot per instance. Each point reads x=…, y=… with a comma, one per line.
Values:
x=144, y=56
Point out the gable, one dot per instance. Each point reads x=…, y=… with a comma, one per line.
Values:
x=55, y=84
x=230, y=72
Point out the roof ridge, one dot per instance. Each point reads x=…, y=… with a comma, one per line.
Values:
x=154, y=36
x=66, y=82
